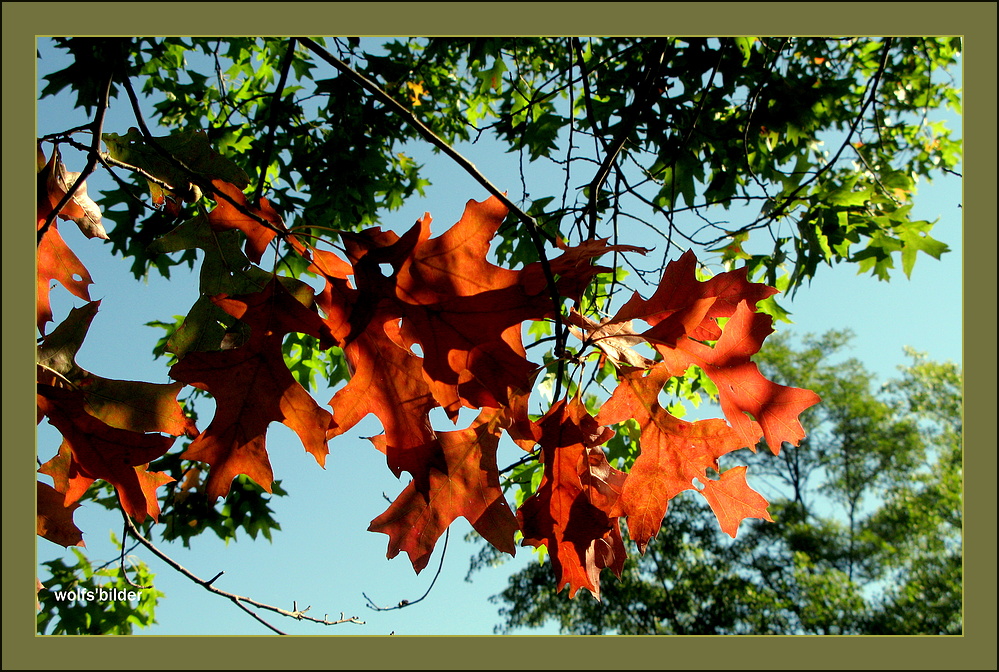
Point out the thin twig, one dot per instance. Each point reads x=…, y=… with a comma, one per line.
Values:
x=124, y=574
x=524, y=460
x=591, y=117
x=627, y=127
x=405, y=603
x=268, y=146
x=239, y=600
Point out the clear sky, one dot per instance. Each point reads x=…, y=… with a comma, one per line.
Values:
x=323, y=556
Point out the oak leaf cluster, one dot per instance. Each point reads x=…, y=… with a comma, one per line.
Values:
x=423, y=322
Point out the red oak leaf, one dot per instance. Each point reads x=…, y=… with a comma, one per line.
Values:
x=454, y=264
x=750, y=401
x=683, y=314
x=226, y=216
x=733, y=500
x=673, y=452
x=126, y=404
x=463, y=312
x=473, y=353
x=93, y=450
x=387, y=380
x=252, y=387
x=453, y=303
x=386, y=377
x=54, y=181
x=466, y=313
x=57, y=262
x=684, y=306
x=338, y=298
x=463, y=481
x=574, y=511
x=54, y=519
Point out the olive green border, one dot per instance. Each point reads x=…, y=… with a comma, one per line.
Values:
x=976, y=21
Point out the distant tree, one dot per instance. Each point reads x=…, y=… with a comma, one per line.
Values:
x=867, y=533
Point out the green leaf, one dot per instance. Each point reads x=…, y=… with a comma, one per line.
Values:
x=745, y=45
x=915, y=238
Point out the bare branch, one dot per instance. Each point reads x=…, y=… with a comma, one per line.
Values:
x=268, y=146
x=239, y=600
x=405, y=603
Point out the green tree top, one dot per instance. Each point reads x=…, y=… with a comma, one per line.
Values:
x=867, y=533
x=817, y=143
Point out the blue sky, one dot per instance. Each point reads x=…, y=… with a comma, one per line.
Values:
x=323, y=556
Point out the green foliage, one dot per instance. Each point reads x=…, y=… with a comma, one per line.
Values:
x=867, y=532
x=828, y=137
x=187, y=511
x=81, y=599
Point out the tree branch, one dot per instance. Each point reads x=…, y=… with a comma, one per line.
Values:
x=628, y=126
x=239, y=600
x=268, y=146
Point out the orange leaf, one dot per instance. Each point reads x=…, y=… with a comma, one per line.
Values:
x=387, y=380
x=574, y=511
x=93, y=450
x=54, y=519
x=733, y=500
x=673, y=452
x=226, y=216
x=684, y=316
x=750, y=401
x=463, y=480
x=463, y=312
x=57, y=262
x=252, y=387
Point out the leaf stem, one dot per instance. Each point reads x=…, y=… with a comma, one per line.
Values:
x=406, y=603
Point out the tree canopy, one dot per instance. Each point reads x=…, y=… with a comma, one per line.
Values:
x=274, y=166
